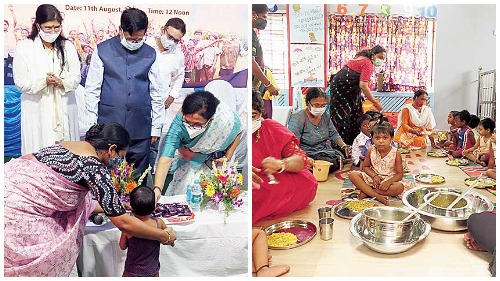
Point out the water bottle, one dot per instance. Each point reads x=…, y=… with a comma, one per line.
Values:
x=196, y=196
x=189, y=194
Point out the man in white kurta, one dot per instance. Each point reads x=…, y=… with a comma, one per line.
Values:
x=48, y=113
x=171, y=64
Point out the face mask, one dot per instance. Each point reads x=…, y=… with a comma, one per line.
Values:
x=131, y=46
x=256, y=124
x=194, y=132
x=49, y=37
x=169, y=45
x=115, y=162
x=261, y=23
x=378, y=62
x=317, y=111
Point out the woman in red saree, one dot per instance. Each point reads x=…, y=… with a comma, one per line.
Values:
x=276, y=156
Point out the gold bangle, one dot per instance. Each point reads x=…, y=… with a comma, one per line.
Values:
x=268, y=85
x=168, y=239
x=284, y=166
x=159, y=188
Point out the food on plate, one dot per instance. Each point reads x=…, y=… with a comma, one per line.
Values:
x=436, y=179
x=486, y=182
x=457, y=162
x=281, y=239
x=358, y=205
x=403, y=150
x=437, y=153
x=430, y=178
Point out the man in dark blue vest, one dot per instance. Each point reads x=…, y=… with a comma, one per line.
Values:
x=123, y=86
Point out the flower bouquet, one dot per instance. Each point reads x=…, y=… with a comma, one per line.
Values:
x=222, y=186
x=125, y=179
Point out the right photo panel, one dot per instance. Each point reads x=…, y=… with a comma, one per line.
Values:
x=373, y=140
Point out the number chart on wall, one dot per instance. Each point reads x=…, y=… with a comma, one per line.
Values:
x=429, y=11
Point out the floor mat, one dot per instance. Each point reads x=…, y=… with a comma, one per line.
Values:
x=473, y=170
x=349, y=191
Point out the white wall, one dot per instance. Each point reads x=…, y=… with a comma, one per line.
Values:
x=464, y=41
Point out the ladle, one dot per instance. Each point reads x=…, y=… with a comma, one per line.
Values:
x=420, y=207
x=463, y=194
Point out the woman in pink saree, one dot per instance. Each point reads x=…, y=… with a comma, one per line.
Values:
x=47, y=202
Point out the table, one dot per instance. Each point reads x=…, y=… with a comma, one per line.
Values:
x=204, y=247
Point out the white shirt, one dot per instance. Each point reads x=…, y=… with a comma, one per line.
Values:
x=93, y=93
x=171, y=66
x=357, y=146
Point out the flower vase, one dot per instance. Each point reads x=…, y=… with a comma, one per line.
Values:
x=221, y=208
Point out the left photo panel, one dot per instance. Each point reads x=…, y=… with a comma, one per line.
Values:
x=125, y=140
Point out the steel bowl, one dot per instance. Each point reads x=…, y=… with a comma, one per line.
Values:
x=418, y=233
x=415, y=197
x=438, y=206
x=387, y=223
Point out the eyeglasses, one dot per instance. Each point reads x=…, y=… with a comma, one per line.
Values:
x=132, y=40
x=170, y=37
x=196, y=125
x=318, y=105
x=54, y=28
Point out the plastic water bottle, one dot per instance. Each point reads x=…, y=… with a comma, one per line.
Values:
x=196, y=196
x=189, y=194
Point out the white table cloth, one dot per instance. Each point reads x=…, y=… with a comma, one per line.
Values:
x=204, y=247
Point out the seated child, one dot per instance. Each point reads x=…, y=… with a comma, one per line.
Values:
x=479, y=153
x=464, y=137
x=382, y=174
x=369, y=142
x=445, y=143
x=492, y=171
x=474, y=122
x=365, y=124
x=261, y=257
x=143, y=255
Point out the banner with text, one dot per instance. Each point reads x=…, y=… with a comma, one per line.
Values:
x=215, y=44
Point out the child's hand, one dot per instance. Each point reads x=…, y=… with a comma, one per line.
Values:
x=376, y=181
x=384, y=185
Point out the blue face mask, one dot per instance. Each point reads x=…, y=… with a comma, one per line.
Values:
x=115, y=162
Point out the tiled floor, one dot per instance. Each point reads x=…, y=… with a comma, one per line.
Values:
x=440, y=254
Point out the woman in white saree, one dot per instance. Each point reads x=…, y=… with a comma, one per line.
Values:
x=47, y=71
x=415, y=122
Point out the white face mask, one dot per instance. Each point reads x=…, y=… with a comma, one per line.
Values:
x=317, y=111
x=256, y=124
x=49, y=37
x=194, y=132
x=169, y=45
x=378, y=62
x=131, y=46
